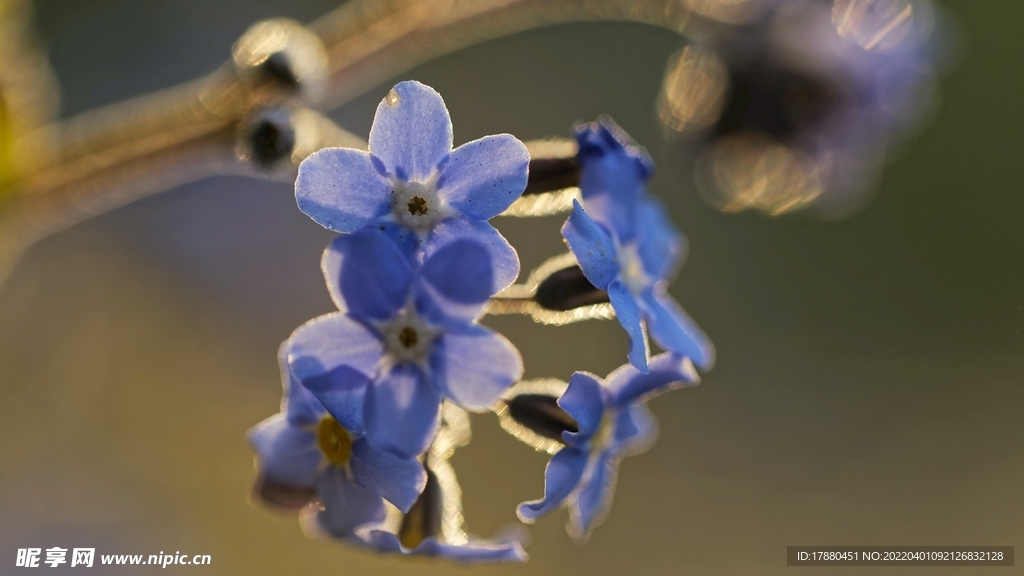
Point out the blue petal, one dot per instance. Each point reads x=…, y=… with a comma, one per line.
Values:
x=347, y=506
x=472, y=552
x=660, y=246
x=628, y=314
x=473, y=366
x=666, y=372
x=341, y=392
x=593, y=247
x=636, y=430
x=300, y=406
x=584, y=400
x=397, y=480
x=613, y=174
x=287, y=455
x=675, y=331
x=333, y=340
x=504, y=259
x=455, y=283
x=341, y=190
x=591, y=504
x=367, y=274
x=482, y=178
x=561, y=477
x=412, y=131
x=401, y=412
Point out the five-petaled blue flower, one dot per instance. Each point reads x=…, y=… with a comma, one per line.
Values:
x=306, y=453
x=412, y=185
x=626, y=245
x=613, y=422
x=408, y=337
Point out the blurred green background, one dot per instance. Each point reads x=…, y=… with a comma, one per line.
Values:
x=868, y=387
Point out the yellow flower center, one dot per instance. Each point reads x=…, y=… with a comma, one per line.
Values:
x=334, y=440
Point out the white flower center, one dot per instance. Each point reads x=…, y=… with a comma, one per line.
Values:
x=416, y=204
x=407, y=338
x=631, y=269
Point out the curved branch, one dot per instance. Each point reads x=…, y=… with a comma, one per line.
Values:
x=102, y=159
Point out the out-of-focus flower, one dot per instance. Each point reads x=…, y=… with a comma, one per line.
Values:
x=412, y=185
x=612, y=422
x=626, y=245
x=408, y=337
x=305, y=453
x=799, y=107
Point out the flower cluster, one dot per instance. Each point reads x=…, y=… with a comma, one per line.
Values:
x=376, y=394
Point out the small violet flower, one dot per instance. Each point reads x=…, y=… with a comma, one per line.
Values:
x=405, y=337
x=626, y=245
x=412, y=185
x=612, y=422
x=304, y=453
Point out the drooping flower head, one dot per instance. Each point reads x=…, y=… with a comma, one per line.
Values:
x=412, y=185
x=611, y=422
x=407, y=337
x=307, y=456
x=626, y=245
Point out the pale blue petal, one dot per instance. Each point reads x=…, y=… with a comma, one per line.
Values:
x=367, y=274
x=333, y=340
x=297, y=403
x=504, y=259
x=401, y=412
x=286, y=455
x=341, y=189
x=341, y=392
x=482, y=178
x=412, y=131
x=593, y=247
x=591, y=504
x=628, y=314
x=660, y=246
x=675, y=331
x=665, y=372
x=397, y=480
x=472, y=552
x=636, y=430
x=584, y=400
x=347, y=506
x=561, y=477
x=473, y=366
x=455, y=283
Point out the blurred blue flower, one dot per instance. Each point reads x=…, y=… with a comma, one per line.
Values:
x=406, y=338
x=613, y=422
x=626, y=245
x=412, y=185
x=305, y=453
x=799, y=107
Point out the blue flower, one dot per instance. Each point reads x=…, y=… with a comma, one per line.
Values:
x=613, y=422
x=414, y=186
x=626, y=245
x=432, y=527
x=306, y=453
x=406, y=338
